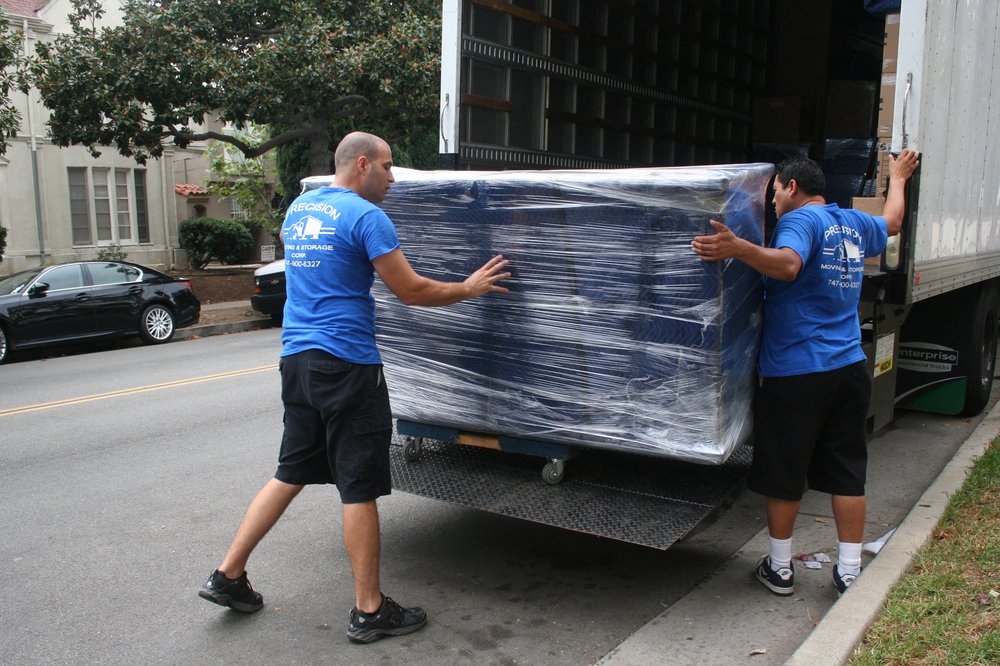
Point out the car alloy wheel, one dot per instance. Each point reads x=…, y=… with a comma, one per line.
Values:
x=157, y=324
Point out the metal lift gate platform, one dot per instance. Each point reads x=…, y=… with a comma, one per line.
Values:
x=638, y=499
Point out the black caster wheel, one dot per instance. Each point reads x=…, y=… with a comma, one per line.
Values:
x=553, y=471
x=412, y=449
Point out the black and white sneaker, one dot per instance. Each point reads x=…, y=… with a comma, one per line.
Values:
x=780, y=581
x=390, y=619
x=842, y=581
x=232, y=593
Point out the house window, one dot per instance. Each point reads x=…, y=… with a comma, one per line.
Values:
x=109, y=205
x=238, y=212
x=141, y=209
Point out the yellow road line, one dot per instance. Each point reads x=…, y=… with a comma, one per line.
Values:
x=131, y=391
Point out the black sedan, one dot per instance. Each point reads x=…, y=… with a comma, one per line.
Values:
x=85, y=301
x=269, y=291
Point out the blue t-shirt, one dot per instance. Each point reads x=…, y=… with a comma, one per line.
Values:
x=811, y=323
x=331, y=236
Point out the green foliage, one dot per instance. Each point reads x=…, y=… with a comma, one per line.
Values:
x=3, y=242
x=416, y=148
x=208, y=238
x=300, y=66
x=113, y=252
x=12, y=77
x=419, y=148
x=249, y=182
x=945, y=609
x=292, y=163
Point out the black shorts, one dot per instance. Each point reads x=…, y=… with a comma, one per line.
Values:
x=811, y=429
x=337, y=425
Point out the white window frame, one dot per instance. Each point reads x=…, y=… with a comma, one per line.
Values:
x=115, y=203
x=236, y=211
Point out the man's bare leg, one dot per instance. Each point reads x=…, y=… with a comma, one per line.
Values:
x=363, y=544
x=260, y=517
x=781, y=515
x=849, y=512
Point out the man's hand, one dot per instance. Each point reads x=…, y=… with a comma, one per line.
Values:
x=781, y=263
x=722, y=245
x=485, y=279
x=900, y=170
x=902, y=167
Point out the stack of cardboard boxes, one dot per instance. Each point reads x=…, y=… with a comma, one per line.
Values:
x=887, y=95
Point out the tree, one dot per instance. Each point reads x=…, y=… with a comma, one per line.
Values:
x=297, y=66
x=12, y=77
x=248, y=181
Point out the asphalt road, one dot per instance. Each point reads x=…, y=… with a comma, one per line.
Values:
x=123, y=475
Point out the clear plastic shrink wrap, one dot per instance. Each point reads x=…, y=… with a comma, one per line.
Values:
x=614, y=335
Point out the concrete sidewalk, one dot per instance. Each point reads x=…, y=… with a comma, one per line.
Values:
x=730, y=617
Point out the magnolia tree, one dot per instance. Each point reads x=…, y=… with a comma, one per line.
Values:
x=300, y=67
x=12, y=77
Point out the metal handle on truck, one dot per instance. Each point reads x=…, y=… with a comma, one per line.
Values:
x=444, y=108
x=906, y=103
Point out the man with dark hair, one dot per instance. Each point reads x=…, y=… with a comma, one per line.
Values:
x=813, y=392
x=337, y=419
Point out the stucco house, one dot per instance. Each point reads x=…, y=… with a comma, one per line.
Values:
x=61, y=204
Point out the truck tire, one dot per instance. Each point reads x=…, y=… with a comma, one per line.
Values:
x=981, y=356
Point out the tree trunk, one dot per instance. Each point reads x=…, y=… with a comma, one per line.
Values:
x=320, y=152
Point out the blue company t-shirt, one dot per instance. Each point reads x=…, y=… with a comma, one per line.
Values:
x=811, y=323
x=331, y=236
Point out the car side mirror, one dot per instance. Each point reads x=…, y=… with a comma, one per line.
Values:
x=38, y=289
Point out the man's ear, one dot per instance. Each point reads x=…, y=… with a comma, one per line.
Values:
x=792, y=187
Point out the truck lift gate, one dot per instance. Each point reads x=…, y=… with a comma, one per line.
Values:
x=638, y=499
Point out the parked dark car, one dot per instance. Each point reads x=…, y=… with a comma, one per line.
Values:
x=269, y=291
x=92, y=300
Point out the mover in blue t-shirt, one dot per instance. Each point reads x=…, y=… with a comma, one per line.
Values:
x=337, y=418
x=814, y=388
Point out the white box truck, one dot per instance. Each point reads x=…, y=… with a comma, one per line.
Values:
x=538, y=84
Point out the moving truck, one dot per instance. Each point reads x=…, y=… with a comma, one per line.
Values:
x=585, y=84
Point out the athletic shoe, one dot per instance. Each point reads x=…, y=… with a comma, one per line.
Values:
x=236, y=594
x=780, y=581
x=390, y=619
x=842, y=581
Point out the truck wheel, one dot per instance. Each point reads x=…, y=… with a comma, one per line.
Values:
x=982, y=353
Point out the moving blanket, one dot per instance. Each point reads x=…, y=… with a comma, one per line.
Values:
x=614, y=334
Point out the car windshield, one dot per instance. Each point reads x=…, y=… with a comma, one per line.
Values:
x=14, y=283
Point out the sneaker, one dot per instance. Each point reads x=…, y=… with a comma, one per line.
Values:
x=842, y=581
x=390, y=619
x=236, y=594
x=780, y=581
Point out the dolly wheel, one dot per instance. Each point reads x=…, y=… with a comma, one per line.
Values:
x=553, y=471
x=412, y=448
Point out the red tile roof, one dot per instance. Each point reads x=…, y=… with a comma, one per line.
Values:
x=22, y=7
x=186, y=190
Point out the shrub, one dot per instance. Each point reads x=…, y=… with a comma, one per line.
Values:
x=207, y=238
x=3, y=242
x=113, y=252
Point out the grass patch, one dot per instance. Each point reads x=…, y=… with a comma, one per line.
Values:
x=945, y=609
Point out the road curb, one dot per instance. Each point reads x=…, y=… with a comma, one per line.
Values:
x=218, y=329
x=842, y=628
